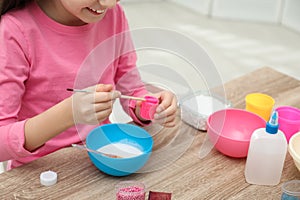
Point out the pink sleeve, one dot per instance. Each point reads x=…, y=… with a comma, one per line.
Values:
x=12, y=142
x=128, y=79
x=14, y=68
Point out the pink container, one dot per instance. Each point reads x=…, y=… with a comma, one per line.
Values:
x=288, y=120
x=148, y=107
x=130, y=190
x=230, y=130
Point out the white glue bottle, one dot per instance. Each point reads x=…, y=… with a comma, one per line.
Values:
x=266, y=154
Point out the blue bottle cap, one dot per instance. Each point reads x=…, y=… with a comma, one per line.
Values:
x=272, y=124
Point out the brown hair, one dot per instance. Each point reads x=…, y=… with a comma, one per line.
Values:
x=7, y=5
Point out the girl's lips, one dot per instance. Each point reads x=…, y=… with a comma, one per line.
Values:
x=96, y=12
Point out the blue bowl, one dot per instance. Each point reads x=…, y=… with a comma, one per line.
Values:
x=126, y=134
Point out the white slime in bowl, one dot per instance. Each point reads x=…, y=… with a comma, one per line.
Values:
x=120, y=149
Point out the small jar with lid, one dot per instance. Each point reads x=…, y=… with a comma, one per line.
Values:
x=130, y=190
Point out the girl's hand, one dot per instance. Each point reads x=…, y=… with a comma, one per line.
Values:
x=167, y=109
x=95, y=106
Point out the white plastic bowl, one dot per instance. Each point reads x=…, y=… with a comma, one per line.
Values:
x=294, y=149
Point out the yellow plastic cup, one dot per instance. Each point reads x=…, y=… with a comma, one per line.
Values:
x=260, y=104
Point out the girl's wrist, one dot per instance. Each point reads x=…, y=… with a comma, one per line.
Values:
x=137, y=114
x=69, y=116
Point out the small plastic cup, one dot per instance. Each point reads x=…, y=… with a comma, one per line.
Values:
x=130, y=190
x=159, y=195
x=148, y=107
x=288, y=120
x=260, y=104
x=291, y=190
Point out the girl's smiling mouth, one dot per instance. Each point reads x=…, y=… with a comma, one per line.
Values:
x=96, y=12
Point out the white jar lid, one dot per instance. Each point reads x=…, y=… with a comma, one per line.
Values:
x=48, y=178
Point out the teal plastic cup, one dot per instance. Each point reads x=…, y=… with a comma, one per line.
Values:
x=291, y=190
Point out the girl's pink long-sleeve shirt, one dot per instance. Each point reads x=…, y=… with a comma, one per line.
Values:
x=40, y=58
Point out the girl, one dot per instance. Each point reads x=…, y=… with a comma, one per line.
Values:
x=43, y=45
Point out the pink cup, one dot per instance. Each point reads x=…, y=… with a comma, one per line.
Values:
x=288, y=120
x=148, y=107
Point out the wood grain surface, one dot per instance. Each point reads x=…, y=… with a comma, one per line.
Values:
x=184, y=175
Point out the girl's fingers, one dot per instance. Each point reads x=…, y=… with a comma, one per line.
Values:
x=106, y=96
x=103, y=106
x=169, y=111
x=166, y=113
x=97, y=117
x=103, y=88
x=103, y=114
x=167, y=121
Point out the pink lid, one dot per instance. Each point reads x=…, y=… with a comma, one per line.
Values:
x=148, y=107
x=151, y=99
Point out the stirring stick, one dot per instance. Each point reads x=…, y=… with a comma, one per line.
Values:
x=94, y=151
x=122, y=96
x=77, y=90
x=133, y=98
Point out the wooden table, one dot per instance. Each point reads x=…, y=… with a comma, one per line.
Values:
x=213, y=177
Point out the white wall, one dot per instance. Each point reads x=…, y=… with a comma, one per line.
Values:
x=202, y=6
x=291, y=14
x=285, y=12
x=254, y=10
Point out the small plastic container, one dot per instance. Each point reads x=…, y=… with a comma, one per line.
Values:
x=196, y=108
x=48, y=178
x=159, y=195
x=289, y=120
x=130, y=190
x=260, y=104
x=148, y=107
x=291, y=190
x=266, y=154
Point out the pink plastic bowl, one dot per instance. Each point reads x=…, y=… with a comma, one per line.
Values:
x=230, y=130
